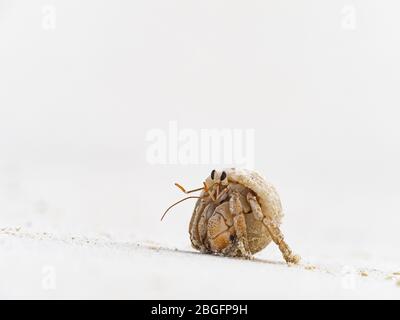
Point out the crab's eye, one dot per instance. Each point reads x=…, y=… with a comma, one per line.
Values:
x=212, y=174
x=223, y=176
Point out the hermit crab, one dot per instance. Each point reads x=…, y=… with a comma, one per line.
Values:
x=237, y=214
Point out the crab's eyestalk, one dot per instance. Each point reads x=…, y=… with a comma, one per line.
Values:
x=223, y=176
x=212, y=175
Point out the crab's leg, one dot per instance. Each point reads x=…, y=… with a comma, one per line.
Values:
x=273, y=230
x=202, y=226
x=193, y=231
x=239, y=222
x=221, y=197
x=220, y=229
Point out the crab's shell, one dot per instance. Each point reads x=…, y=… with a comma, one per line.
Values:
x=268, y=198
x=266, y=193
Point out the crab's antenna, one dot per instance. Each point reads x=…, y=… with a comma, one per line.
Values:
x=176, y=204
x=184, y=190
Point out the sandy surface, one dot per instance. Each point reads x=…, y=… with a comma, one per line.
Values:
x=44, y=265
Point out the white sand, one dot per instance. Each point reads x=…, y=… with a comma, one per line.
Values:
x=43, y=265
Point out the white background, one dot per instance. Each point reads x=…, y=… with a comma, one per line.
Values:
x=77, y=101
